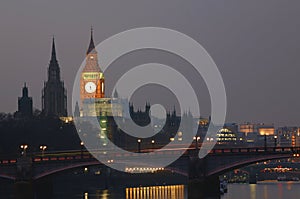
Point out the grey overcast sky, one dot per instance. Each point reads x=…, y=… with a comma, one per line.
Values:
x=255, y=44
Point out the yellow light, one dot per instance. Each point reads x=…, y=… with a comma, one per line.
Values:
x=24, y=146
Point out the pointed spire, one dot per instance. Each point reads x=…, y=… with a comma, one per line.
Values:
x=53, y=54
x=174, y=111
x=92, y=45
x=116, y=95
x=25, y=91
x=76, y=111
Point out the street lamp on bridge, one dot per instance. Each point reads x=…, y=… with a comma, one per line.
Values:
x=24, y=147
x=196, y=139
x=43, y=148
x=153, y=142
x=275, y=141
x=139, y=145
x=81, y=148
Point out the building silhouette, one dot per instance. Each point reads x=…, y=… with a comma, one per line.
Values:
x=141, y=118
x=54, y=95
x=24, y=104
x=76, y=111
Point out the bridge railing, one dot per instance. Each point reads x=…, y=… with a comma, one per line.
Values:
x=76, y=155
x=256, y=150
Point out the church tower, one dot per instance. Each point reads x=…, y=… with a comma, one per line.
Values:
x=24, y=104
x=54, y=95
x=92, y=78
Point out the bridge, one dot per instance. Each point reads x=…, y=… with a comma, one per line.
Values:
x=201, y=172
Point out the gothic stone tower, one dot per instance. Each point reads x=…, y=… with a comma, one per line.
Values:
x=92, y=78
x=25, y=103
x=54, y=95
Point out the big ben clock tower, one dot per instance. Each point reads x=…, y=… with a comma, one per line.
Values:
x=92, y=88
x=92, y=78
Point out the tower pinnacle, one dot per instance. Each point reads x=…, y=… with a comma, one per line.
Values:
x=92, y=45
x=53, y=54
x=25, y=90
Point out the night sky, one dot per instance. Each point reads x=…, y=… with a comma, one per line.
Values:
x=255, y=44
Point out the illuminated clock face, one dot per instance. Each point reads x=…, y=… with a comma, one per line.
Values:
x=90, y=87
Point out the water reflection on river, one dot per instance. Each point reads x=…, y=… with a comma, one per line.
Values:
x=174, y=191
x=153, y=192
x=263, y=190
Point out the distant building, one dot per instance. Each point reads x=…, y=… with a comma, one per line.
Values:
x=266, y=129
x=254, y=133
x=247, y=128
x=102, y=107
x=141, y=118
x=288, y=136
x=227, y=137
x=54, y=94
x=24, y=104
x=233, y=127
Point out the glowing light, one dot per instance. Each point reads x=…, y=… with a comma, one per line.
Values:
x=43, y=147
x=24, y=146
x=86, y=195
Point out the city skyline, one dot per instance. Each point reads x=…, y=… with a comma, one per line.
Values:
x=256, y=54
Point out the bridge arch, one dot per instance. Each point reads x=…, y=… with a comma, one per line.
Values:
x=9, y=177
x=239, y=164
x=91, y=163
x=65, y=168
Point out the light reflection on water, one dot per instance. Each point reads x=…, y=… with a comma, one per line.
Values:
x=264, y=190
x=152, y=192
x=253, y=191
x=156, y=192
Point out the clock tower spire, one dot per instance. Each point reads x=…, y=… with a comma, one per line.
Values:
x=92, y=78
x=92, y=45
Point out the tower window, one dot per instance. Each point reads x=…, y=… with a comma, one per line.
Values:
x=102, y=87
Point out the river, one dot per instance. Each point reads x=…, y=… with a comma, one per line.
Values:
x=262, y=190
